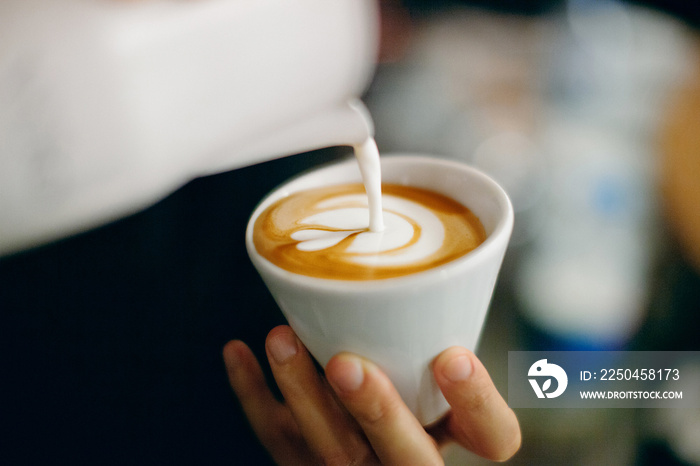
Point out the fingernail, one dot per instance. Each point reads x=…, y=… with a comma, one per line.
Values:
x=348, y=375
x=282, y=347
x=458, y=369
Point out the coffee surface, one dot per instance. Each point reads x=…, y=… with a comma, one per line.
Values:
x=325, y=232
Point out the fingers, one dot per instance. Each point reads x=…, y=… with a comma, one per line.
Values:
x=395, y=434
x=325, y=424
x=270, y=420
x=248, y=382
x=480, y=419
x=365, y=420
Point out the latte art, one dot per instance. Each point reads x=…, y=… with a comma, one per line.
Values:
x=324, y=232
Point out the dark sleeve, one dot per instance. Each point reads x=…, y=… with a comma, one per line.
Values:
x=111, y=340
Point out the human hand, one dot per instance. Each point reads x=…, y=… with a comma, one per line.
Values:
x=355, y=416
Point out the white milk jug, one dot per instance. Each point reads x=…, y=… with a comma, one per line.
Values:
x=107, y=106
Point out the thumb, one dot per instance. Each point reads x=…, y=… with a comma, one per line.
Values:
x=480, y=419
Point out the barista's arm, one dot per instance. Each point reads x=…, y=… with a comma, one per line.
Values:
x=355, y=416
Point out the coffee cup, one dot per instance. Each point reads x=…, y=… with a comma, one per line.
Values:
x=400, y=323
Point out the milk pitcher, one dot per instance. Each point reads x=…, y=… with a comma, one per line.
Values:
x=108, y=106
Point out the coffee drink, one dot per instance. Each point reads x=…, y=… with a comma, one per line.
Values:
x=324, y=232
x=318, y=225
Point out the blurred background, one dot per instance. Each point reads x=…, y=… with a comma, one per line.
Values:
x=586, y=111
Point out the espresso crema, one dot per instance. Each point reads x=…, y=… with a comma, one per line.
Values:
x=324, y=232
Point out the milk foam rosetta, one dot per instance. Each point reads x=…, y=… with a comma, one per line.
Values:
x=324, y=232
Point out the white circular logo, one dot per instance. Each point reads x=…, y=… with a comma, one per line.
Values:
x=542, y=370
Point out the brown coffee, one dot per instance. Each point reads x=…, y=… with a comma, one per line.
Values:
x=324, y=232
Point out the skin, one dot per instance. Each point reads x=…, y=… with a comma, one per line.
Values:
x=352, y=414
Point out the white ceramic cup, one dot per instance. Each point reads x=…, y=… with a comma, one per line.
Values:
x=402, y=323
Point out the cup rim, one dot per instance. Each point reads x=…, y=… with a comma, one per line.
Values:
x=500, y=234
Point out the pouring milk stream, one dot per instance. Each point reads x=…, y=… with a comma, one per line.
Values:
x=367, y=156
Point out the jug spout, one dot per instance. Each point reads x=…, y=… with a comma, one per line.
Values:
x=346, y=124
